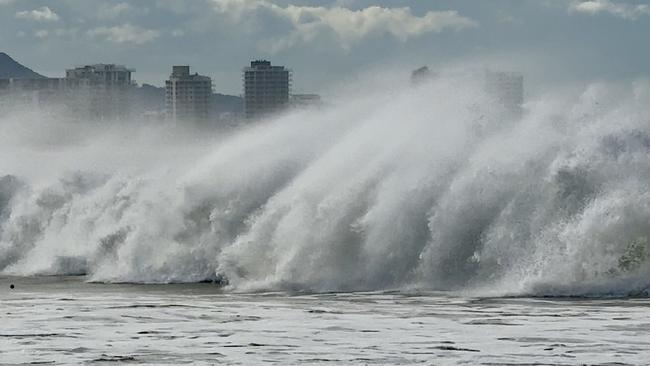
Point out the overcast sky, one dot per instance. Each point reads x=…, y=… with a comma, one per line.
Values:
x=325, y=41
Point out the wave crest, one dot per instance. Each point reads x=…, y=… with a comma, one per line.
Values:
x=429, y=187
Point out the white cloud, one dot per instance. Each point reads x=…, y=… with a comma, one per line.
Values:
x=349, y=26
x=63, y=32
x=113, y=11
x=619, y=9
x=41, y=14
x=126, y=33
x=122, y=9
x=505, y=18
x=41, y=33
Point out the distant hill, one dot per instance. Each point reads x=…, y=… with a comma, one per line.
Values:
x=222, y=103
x=149, y=98
x=9, y=68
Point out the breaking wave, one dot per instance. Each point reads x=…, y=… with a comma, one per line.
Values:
x=428, y=187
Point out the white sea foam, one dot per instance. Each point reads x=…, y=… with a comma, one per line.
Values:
x=429, y=187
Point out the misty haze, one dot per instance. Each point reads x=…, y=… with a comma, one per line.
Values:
x=324, y=182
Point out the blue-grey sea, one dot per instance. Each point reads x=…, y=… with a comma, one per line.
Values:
x=67, y=321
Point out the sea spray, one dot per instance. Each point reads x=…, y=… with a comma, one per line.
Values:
x=429, y=186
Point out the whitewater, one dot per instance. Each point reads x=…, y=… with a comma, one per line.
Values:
x=389, y=186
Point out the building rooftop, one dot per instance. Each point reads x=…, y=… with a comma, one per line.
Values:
x=182, y=72
x=104, y=67
x=264, y=65
x=258, y=63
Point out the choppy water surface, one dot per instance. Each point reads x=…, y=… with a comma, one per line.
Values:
x=63, y=320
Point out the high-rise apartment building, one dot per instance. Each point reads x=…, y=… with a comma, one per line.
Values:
x=34, y=92
x=101, y=91
x=506, y=89
x=187, y=96
x=266, y=89
x=102, y=74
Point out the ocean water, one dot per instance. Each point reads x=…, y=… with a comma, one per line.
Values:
x=397, y=224
x=65, y=321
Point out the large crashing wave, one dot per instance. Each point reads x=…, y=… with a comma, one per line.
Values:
x=428, y=187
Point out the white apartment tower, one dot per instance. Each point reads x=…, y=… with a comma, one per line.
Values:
x=102, y=90
x=187, y=96
x=506, y=89
x=266, y=89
